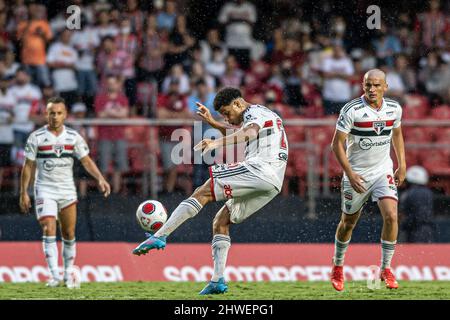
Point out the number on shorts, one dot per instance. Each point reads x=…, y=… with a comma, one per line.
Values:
x=391, y=179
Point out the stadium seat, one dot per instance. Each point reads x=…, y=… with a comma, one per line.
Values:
x=415, y=106
x=436, y=161
x=320, y=136
x=440, y=112
x=418, y=134
x=443, y=135
x=295, y=133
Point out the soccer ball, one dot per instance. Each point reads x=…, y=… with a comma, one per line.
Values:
x=151, y=215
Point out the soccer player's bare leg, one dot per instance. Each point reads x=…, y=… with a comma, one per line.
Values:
x=48, y=225
x=68, y=220
x=388, y=208
x=187, y=209
x=342, y=240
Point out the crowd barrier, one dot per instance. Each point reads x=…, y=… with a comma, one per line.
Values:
x=114, y=262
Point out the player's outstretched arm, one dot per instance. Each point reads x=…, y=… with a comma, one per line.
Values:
x=247, y=133
x=205, y=114
x=399, y=148
x=338, y=147
x=25, y=178
x=93, y=170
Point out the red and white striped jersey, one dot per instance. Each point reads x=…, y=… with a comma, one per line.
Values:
x=268, y=154
x=54, y=156
x=369, y=135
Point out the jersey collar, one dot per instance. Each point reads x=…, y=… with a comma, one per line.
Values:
x=383, y=104
x=62, y=132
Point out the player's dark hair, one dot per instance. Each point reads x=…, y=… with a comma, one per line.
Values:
x=225, y=96
x=56, y=100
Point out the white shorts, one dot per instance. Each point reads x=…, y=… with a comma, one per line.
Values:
x=245, y=192
x=46, y=207
x=380, y=188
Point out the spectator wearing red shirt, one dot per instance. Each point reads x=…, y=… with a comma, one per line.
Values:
x=172, y=105
x=290, y=52
x=113, y=62
x=112, y=105
x=431, y=27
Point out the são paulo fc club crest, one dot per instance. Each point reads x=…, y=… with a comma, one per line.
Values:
x=58, y=149
x=378, y=126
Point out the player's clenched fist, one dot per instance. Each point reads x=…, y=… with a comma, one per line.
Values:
x=104, y=187
x=25, y=203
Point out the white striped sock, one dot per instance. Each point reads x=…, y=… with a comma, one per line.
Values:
x=51, y=255
x=69, y=250
x=387, y=252
x=220, y=245
x=339, y=251
x=185, y=210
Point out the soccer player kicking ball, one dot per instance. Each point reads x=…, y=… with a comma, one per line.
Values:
x=367, y=125
x=247, y=186
x=50, y=151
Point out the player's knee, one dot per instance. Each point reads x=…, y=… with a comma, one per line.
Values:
x=48, y=226
x=203, y=193
x=68, y=234
x=221, y=223
x=390, y=217
x=220, y=226
x=348, y=224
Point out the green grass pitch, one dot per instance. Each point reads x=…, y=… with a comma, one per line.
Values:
x=356, y=290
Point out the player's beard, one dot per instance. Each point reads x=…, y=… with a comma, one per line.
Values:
x=55, y=125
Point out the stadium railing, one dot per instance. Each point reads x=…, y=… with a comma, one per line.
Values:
x=322, y=171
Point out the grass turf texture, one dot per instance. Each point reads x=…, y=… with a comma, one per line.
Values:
x=356, y=290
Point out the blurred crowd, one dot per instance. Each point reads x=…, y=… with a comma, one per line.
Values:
x=131, y=58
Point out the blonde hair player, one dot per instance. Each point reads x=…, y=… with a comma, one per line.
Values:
x=50, y=152
x=362, y=143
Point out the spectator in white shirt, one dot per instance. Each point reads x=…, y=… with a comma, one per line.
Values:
x=216, y=67
x=7, y=103
x=86, y=41
x=177, y=73
x=336, y=70
x=25, y=94
x=11, y=66
x=239, y=16
x=104, y=27
x=62, y=59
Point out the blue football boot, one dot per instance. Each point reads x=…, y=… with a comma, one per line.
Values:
x=215, y=287
x=151, y=243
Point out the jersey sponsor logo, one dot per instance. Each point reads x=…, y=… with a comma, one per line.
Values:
x=390, y=113
x=359, y=107
x=228, y=191
x=49, y=165
x=366, y=143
